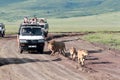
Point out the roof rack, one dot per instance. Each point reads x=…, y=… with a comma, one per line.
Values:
x=34, y=21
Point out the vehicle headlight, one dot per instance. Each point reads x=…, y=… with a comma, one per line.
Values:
x=23, y=41
x=41, y=40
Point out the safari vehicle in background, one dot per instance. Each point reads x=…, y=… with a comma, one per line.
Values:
x=2, y=30
x=44, y=25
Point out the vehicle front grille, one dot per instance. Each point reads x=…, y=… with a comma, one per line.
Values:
x=32, y=41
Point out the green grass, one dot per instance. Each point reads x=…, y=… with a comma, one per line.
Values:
x=103, y=22
x=112, y=39
x=12, y=29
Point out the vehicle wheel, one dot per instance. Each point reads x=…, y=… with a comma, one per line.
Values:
x=2, y=35
x=20, y=50
x=40, y=50
x=45, y=34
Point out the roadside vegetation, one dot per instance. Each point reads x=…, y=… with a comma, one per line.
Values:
x=111, y=39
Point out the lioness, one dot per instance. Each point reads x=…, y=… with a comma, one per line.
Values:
x=81, y=56
x=73, y=53
x=56, y=46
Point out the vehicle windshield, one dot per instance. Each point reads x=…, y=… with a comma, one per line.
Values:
x=31, y=31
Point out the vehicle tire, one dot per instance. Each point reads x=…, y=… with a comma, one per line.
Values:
x=45, y=34
x=0, y=35
x=40, y=50
x=3, y=34
x=20, y=50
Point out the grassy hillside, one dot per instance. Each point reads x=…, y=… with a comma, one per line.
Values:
x=102, y=22
x=17, y=9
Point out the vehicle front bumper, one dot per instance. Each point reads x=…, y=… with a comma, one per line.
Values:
x=30, y=46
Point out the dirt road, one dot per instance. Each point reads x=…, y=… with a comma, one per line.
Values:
x=101, y=64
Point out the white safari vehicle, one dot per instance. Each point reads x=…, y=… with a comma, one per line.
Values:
x=31, y=37
x=2, y=30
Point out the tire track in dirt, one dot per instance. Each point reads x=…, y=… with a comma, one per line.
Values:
x=115, y=74
x=28, y=68
x=10, y=58
x=4, y=70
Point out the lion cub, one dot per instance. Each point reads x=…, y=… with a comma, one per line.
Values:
x=81, y=56
x=73, y=53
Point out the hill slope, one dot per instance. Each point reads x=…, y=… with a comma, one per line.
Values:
x=17, y=9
